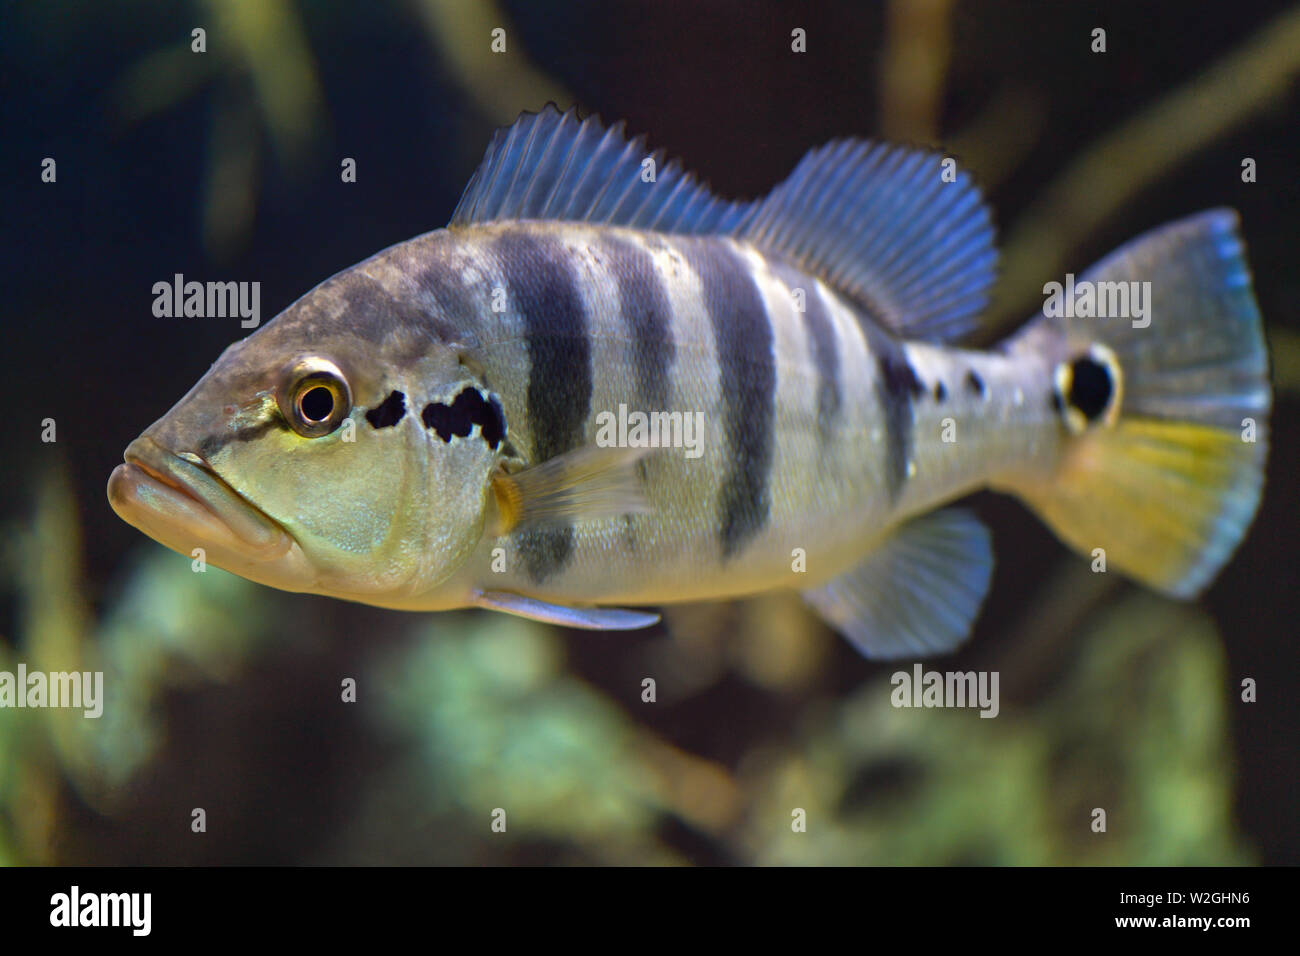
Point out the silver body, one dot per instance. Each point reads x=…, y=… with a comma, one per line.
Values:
x=829, y=483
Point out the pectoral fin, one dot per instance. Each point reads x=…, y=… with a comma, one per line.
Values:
x=587, y=618
x=580, y=485
x=918, y=593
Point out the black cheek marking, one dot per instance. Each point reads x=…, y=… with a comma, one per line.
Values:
x=494, y=424
x=1091, y=387
x=467, y=409
x=560, y=379
x=389, y=413
x=940, y=392
x=437, y=416
x=975, y=384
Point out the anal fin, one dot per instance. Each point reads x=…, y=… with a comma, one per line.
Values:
x=586, y=618
x=917, y=593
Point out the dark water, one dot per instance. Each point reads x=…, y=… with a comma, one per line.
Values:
x=263, y=743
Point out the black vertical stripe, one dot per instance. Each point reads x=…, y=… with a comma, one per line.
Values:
x=541, y=287
x=896, y=387
x=451, y=307
x=825, y=350
x=373, y=314
x=742, y=331
x=644, y=305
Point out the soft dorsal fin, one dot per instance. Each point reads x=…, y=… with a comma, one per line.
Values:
x=551, y=165
x=906, y=239
x=884, y=225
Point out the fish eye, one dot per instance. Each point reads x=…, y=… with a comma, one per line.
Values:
x=314, y=397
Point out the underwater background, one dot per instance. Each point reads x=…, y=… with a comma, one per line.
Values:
x=225, y=696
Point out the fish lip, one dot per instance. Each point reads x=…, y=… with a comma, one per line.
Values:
x=181, y=501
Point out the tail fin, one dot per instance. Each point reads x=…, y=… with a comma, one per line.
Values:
x=1167, y=412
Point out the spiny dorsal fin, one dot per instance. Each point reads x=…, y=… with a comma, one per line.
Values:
x=551, y=165
x=883, y=224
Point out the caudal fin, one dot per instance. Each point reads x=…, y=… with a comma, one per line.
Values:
x=1167, y=412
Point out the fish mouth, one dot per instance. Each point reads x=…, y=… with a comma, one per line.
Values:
x=179, y=501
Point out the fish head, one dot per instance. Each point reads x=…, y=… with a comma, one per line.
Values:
x=300, y=459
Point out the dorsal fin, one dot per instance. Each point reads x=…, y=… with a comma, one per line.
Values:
x=882, y=224
x=551, y=165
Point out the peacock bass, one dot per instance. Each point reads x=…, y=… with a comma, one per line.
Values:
x=496, y=414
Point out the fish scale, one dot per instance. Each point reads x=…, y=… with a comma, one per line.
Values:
x=354, y=446
x=824, y=503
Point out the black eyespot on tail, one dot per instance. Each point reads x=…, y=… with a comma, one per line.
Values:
x=940, y=392
x=1091, y=387
x=468, y=409
x=389, y=412
x=976, y=384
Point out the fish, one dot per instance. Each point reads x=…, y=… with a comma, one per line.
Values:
x=602, y=389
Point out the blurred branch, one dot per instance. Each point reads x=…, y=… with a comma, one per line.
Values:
x=160, y=81
x=258, y=58
x=918, y=48
x=1284, y=348
x=230, y=175
x=993, y=144
x=55, y=619
x=272, y=45
x=462, y=32
x=1113, y=170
